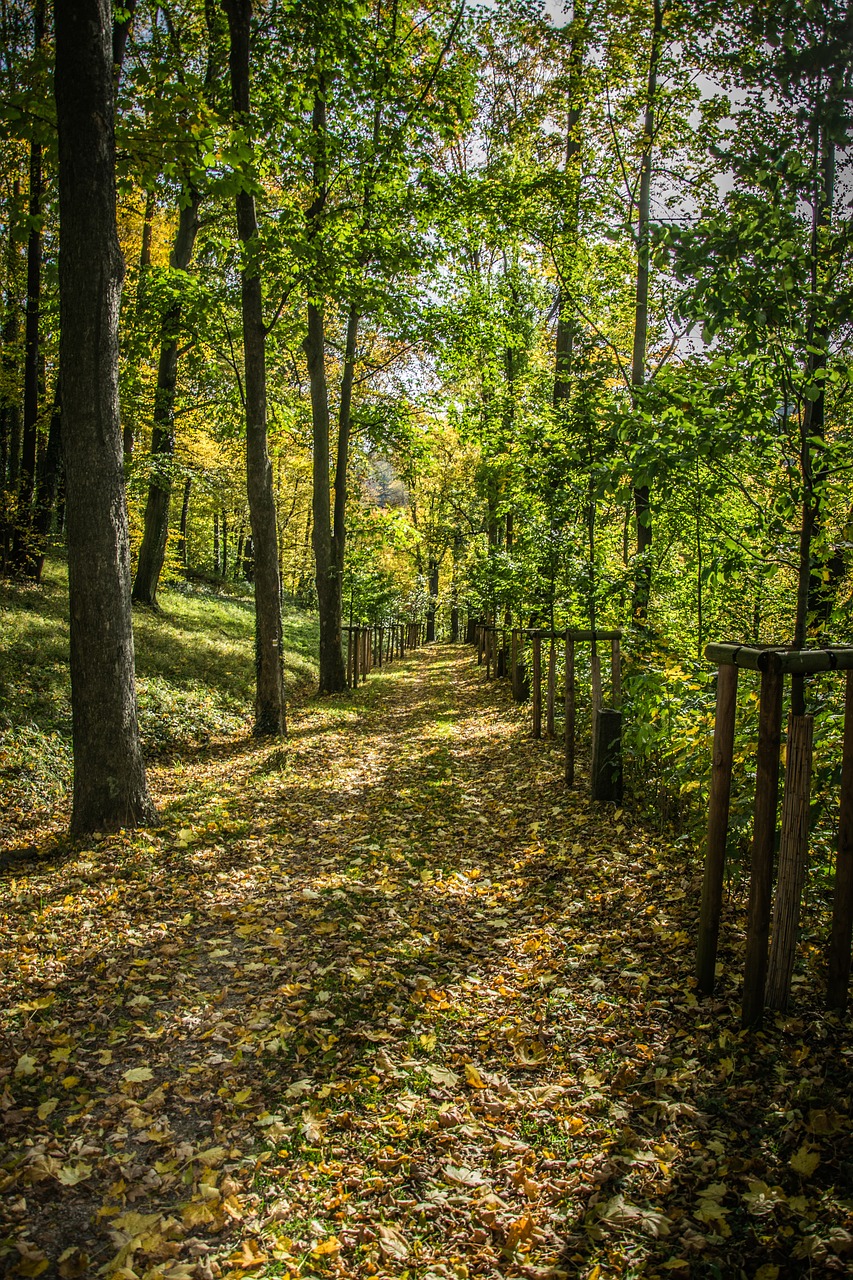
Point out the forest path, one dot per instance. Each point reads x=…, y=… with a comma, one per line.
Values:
x=386, y=1000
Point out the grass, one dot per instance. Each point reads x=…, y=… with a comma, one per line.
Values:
x=195, y=681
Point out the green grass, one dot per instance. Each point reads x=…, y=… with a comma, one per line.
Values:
x=195, y=680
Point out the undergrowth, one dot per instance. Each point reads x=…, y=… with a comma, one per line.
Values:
x=195, y=681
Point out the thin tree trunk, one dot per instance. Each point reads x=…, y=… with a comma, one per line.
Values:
x=50, y=474
x=25, y=557
x=216, y=544
x=185, y=511
x=642, y=505
x=109, y=778
x=433, y=599
x=152, y=551
x=566, y=322
x=10, y=405
x=129, y=423
x=269, y=699
x=329, y=534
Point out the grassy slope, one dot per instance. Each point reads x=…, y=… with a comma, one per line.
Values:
x=195, y=667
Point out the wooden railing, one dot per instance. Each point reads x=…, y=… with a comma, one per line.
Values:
x=768, y=968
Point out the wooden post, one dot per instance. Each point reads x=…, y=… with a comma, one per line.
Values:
x=718, y=828
x=763, y=842
x=615, y=674
x=514, y=661
x=488, y=649
x=355, y=637
x=537, y=684
x=596, y=681
x=381, y=643
x=569, y=729
x=838, y=978
x=552, y=690
x=793, y=854
x=607, y=757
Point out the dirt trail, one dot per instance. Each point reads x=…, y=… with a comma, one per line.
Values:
x=387, y=1000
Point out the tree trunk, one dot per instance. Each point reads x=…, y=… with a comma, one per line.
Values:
x=642, y=505
x=329, y=534
x=10, y=406
x=269, y=699
x=328, y=547
x=152, y=551
x=216, y=544
x=433, y=599
x=566, y=322
x=109, y=777
x=129, y=422
x=50, y=474
x=185, y=511
x=26, y=559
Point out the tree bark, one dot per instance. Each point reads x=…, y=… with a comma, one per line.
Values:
x=109, y=777
x=433, y=600
x=566, y=322
x=26, y=560
x=152, y=551
x=642, y=505
x=10, y=405
x=269, y=698
x=185, y=511
x=793, y=857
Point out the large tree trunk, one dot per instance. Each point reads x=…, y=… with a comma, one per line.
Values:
x=269, y=698
x=152, y=551
x=26, y=559
x=642, y=503
x=109, y=777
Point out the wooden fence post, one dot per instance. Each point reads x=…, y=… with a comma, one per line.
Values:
x=514, y=664
x=569, y=728
x=537, y=684
x=550, y=706
x=616, y=673
x=607, y=756
x=763, y=842
x=718, y=827
x=838, y=977
x=793, y=855
x=355, y=635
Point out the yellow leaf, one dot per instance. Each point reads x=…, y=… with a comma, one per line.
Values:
x=71, y=1174
x=473, y=1077
x=326, y=1248
x=47, y=1107
x=242, y=1095
x=105, y=1057
x=427, y=1042
x=767, y=1272
x=805, y=1161
x=68, y=1082
x=25, y=1066
x=137, y=1074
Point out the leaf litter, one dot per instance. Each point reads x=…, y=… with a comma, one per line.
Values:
x=389, y=1001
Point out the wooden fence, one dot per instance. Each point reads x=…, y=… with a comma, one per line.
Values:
x=377, y=645
x=768, y=968
x=502, y=651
